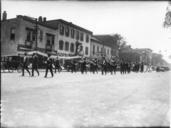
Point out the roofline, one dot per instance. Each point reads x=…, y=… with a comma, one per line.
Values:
x=33, y=21
x=71, y=24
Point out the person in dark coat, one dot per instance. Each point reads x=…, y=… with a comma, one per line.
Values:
x=49, y=66
x=104, y=66
x=57, y=65
x=142, y=67
x=35, y=64
x=25, y=64
x=83, y=66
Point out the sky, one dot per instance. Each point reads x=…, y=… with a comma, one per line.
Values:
x=139, y=22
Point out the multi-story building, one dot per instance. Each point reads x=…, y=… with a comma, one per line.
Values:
x=103, y=45
x=60, y=37
x=24, y=33
x=72, y=39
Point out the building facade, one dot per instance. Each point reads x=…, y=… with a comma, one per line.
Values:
x=72, y=39
x=104, y=46
x=24, y=33
x=56, y=37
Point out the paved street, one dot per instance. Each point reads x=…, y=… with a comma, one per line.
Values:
x=74, y=100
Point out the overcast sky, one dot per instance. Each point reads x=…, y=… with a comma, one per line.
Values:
x=140, y=23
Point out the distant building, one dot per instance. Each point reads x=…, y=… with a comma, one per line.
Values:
x=96, y=48
x=145, y=55
x=72, y=39
x=104, y=45
x=24, y=33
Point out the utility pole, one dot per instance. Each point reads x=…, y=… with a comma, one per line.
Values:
x=36, y=29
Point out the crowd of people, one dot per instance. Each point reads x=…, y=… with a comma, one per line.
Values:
x=82, y=65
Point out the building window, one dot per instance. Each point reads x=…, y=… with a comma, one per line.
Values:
x=81, y=37
x=72, y=47
x=87, y=38
x=61, y=45
x=61, y=29
x=67, y=31
x=12, y=34
x=31, y=35
x=86, y=50
x=41, y=36
x=66, y=46
x=50, y=39
x=97, y=48
x=93, y=49
x=72, y=33
x=77, y=35
x=108, y=51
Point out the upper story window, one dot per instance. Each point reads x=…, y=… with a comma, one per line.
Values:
x=31, y=35
x=41, y=36
x=50, y=39
x=61, y=45
x=108, y=51
x=66, y=46
x=12, y=34
x=81, y=36
x=72, y=47
x=97, y=48
x=72, y=33
x=77, y=35
x=87, y=38
x=93, y=49
x=67, y=31
x=86, y=50
x=61, y=29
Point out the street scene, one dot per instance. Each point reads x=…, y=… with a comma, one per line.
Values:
x=106, y=65
x=68, y=101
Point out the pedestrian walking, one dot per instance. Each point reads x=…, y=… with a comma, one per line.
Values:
x=25, y=64
x=49, y=66
x=35, y=64
x=57, y=65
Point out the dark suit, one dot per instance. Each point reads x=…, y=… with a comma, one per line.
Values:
x=49, y=66
x=25, y=65
x=35, y=65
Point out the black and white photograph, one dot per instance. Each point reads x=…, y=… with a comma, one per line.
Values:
x=85, y=64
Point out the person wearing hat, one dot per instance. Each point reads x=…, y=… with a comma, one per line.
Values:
x=35, y=64
x=49, y=66
x=25, y=64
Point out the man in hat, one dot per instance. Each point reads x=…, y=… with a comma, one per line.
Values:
x=35, y=64
x=25, y=64
x=49, y=66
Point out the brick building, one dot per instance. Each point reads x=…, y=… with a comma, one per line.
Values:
x=24, y=33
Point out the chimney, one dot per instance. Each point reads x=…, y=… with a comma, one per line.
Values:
x=40, y=19
x=44, y=19
x=4, y=15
